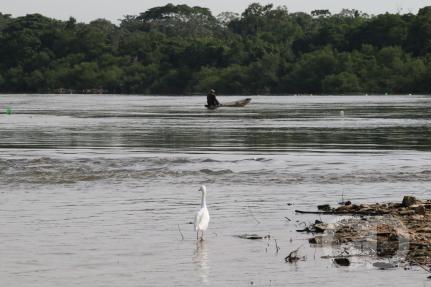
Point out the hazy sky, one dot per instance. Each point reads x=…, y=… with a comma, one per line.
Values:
x=87, y=10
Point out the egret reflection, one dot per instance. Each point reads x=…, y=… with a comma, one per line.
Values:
x=200, y=259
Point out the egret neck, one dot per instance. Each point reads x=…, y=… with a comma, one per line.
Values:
x=204, y=199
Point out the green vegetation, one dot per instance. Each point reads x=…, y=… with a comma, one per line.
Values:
x=177, y=49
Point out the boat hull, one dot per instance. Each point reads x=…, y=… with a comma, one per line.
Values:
x=234, y=104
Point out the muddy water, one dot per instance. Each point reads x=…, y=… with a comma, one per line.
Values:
x=100, y=190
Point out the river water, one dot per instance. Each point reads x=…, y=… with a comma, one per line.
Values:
x=100, y=190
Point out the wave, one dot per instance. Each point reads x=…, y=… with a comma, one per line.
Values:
x=44, y=170
x=216, y=172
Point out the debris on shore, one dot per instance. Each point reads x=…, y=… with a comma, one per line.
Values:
x=386, y=230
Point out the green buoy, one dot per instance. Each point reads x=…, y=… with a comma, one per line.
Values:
x=8, y=111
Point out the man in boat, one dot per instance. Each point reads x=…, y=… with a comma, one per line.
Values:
x=212, y=100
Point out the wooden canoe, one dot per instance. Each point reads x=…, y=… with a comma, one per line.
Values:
x=235, y=104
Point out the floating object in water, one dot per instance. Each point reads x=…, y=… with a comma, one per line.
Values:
x=202, y=217
x=253, y=236
x=8, y=111
x=384, y=265
x=342, y=113
x=342, y=261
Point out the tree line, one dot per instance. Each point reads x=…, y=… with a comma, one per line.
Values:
x=178, y=49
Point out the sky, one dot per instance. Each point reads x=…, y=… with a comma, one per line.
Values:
x=88, y=10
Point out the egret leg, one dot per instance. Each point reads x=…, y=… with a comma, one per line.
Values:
x=202, y=237
x=197, y=235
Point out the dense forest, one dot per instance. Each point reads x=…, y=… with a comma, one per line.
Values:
x=177, y=49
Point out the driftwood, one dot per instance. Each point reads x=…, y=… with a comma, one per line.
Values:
x=293, y=256
x=347, y=213
x=253, y=236
x=344, y=256
x=179, y=229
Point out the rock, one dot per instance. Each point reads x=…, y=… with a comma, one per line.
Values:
x=424, y=230
x=320, y=228
x=344, y=208
x=407, y=212
x=342, y=261
x=316, y=240
x=408, y=201
x=354, y=207
x=324, y=207
x=420, y=210
x=312, y=240
x=417, y=217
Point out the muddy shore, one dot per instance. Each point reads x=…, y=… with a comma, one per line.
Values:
x=399, y=232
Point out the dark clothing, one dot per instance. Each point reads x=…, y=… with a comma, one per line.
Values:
x=212, y=100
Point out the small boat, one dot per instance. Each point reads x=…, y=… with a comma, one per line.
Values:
x=235, y=104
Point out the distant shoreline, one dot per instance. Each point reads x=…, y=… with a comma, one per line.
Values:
x=178, y=49
x=220, y=95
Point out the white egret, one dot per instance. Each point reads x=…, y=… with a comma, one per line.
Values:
x=202, y=217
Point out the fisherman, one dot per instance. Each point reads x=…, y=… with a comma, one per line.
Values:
x=212, y=100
